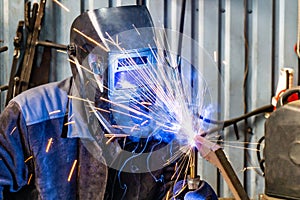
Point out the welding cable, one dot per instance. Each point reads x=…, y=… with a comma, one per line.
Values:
x=226, y=123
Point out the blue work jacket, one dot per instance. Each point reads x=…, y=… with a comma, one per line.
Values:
x=40, y=160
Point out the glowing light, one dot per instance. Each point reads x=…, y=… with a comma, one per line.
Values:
x=109, y=140
x=68, y=123
x=13, y=130
x=84, y=68
x=124, y=127
x=144, y=122
x=126, y=107
x=61, y=5
x=30, y=157
x=136, y=29
x=249, y=168
x=135, y=127
x=81, y=99
x=100, y=109
x=30, y=177
x=49, y=144
x=113, y=136
x=91, y=39
x=54, y=112
x=123, y=113
x=72, y=170
x=168, y=195
x=116, y=135
x=61, y=51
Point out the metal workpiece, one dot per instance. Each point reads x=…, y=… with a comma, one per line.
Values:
x=214, y=154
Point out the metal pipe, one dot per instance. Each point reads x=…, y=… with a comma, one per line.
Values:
x=51, y=45
x=2, y=49
x=181, y=27
x=220, y=69
x=273, y=48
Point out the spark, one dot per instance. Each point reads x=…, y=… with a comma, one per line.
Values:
x=49, y=144
x=61, y=51
x=68, y=123
x=13, y=130
x=109, y=140
x=239, y=147
x=123, y=127
x=144, y=122
x=61, y=5
x=69, y=119
x=235, y=142
x=116, y=43
x=84, y=68
x=117, y=111
x=116, y=135
x=81, y=99
x=30, y=157
x=180, y=191
x=168, y=195
x=135, y=127
x=100, y=109
x=184, y=157
x=113, y=136
x=126, y=107
x=54, y=112
x=223, y=143
x=72, y=170
x=91, y=39
x=30, y=177
x=146, y=103
x=249, y=168
x=136, y=29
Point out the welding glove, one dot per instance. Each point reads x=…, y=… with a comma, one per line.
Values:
x=204, y=192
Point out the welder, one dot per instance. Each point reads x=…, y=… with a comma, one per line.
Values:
x=63, y=140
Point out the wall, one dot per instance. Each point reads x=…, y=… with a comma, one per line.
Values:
x=248, y=40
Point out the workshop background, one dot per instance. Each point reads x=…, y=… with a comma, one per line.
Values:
x=249, y=41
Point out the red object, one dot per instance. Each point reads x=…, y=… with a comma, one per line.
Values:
x=293, y=97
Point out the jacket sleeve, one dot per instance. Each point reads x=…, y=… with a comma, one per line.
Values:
x=13, y=149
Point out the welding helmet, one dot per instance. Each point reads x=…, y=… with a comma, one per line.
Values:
x=107, y=73
x=130, y=82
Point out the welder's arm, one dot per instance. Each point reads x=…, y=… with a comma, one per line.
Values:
x=214, y=154
x=13, y=173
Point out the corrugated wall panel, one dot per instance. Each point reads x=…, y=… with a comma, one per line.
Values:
x=218, y=26
x=10, y=13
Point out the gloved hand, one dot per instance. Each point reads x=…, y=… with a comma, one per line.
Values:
x=204, y=192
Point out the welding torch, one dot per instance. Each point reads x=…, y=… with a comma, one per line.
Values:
x=193, y=179
x=214, y=154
